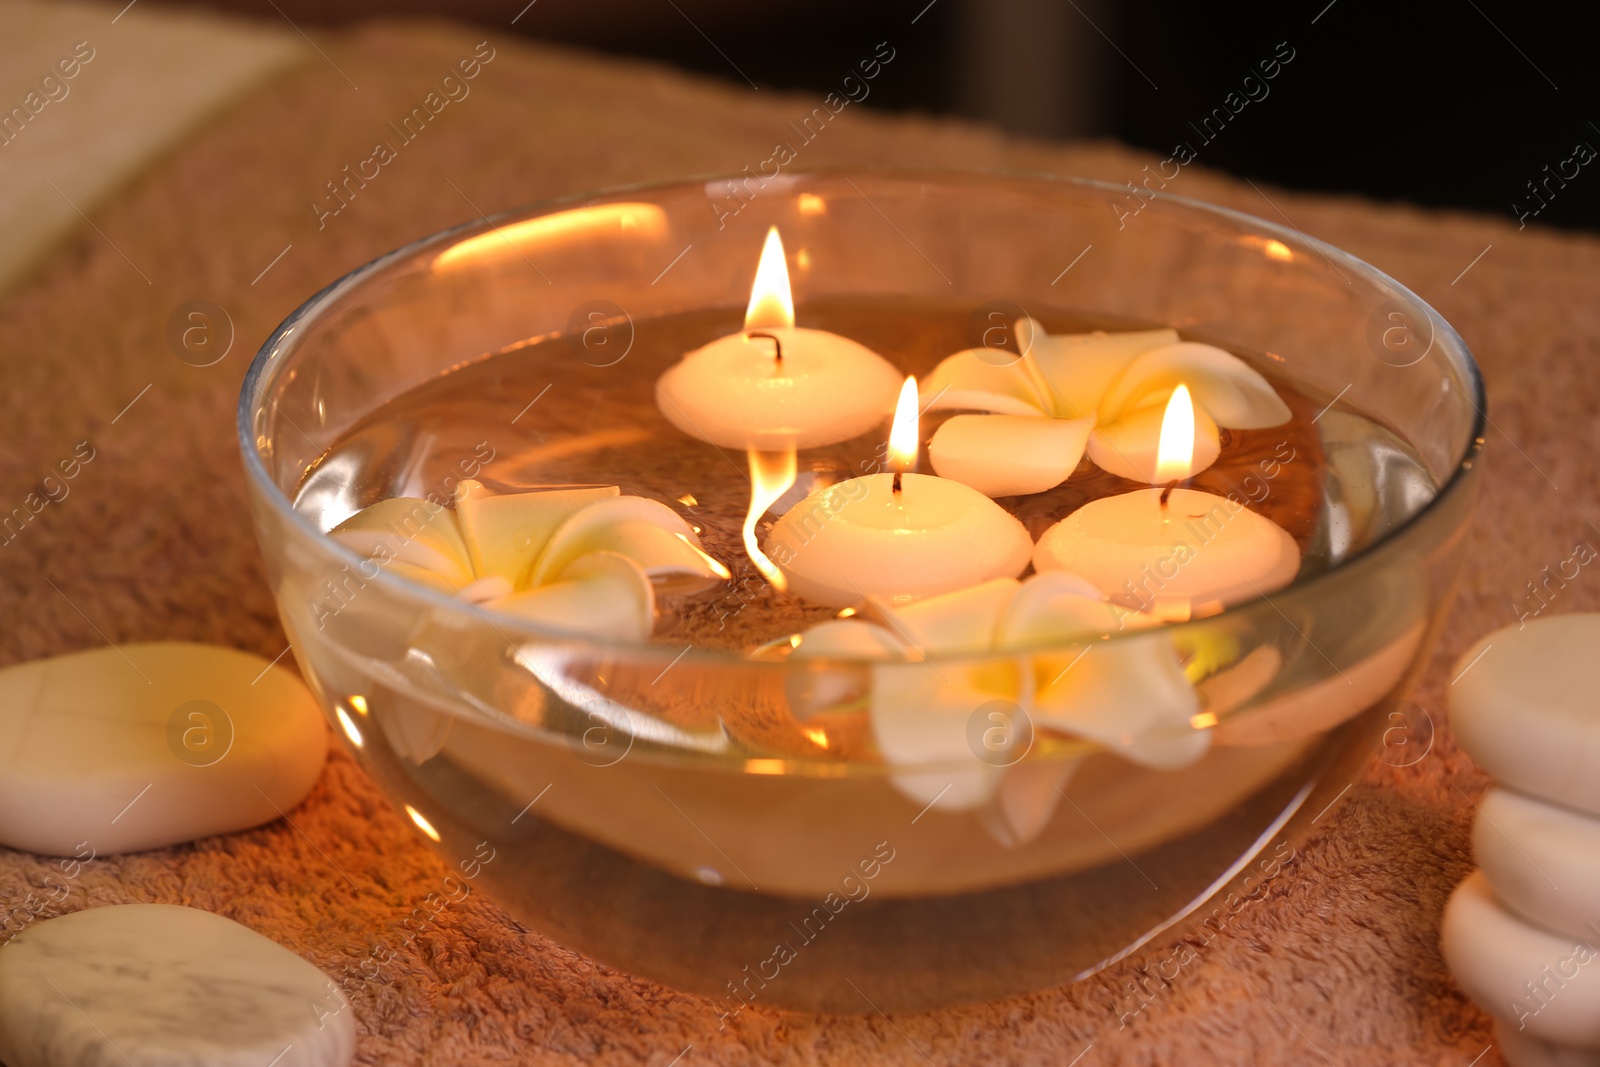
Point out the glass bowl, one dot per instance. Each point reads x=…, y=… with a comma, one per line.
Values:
x=712, y=819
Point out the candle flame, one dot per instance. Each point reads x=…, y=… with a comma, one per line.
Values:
x=1175, y=450
x=904, y=433
x=771, y=475
x=771, y=300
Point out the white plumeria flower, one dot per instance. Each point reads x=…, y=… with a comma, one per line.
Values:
x=1103, y=393
x=586, y=560
x=951, y=728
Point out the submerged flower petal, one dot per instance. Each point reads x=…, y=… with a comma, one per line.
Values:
x=850, y=639
x=1057, y=606
x=923, y=723
x=824, y=685
x=964, y=620
x=1028, y=796
x=1008, y=455
x=1129, y=694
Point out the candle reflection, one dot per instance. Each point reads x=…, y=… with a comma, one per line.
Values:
x=771, y=475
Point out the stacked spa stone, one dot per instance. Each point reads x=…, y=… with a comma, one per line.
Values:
x=1522, y=934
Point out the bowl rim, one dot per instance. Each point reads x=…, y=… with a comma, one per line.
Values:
x=258, y=376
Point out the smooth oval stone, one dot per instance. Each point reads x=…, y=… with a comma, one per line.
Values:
x=1544, y=983
x=1520, y=1050
x=162, y=986
x=1526, y=707
x=141, y=746
x=1542, y=861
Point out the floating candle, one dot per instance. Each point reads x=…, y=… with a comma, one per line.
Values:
x=776, y=386
x=1176, y=552
x=896, y=535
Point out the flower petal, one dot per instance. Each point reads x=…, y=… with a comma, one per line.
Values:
x=415, y=731
x=1233, y=392
x=1028, y=796
x=485, y=589
x=1298, y=714
x=848, y=639
x=602, y=594
x=410, y=531
x=1127, y=447
x=817, y=687
x=980, y=379
x=1237, y=684
x=505, y=531
x=1008, y=455
x=434, y=579
x=1056, y=606
x=646, y=531
x=964, y=620
x=1129, y=694
x=1078, y=368
x=922, y=725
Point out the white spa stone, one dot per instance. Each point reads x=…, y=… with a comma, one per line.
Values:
x=146, y=745
x=1526, y=707
x=1546, y=983
x=1542, y=861
x=162, y=986
x=1520, y=1050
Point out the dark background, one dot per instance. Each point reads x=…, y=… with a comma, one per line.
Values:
x=1452, y=103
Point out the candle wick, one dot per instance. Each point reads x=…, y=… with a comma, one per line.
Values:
x=776, y=344
x=895, y=485
x=1167, y=492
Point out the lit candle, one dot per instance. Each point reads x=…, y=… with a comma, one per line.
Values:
x=895, y=534
x=1177, y=552
x=775, y=386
